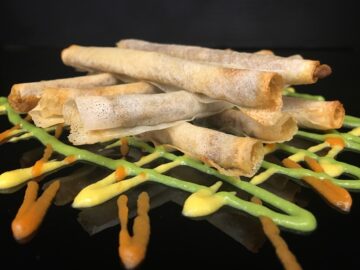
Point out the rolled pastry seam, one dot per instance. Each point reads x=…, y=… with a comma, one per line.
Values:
x=247, y=88
x=238, y=123
x=313, y=114
x=293, y=70
x=49, y=110
x=25, y=96
x=229, y=154
x=98, y=118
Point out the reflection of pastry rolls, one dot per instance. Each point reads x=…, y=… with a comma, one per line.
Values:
x=248, y=88
x=239, y=123
x=292, y=69
x=49, y=110
x=315, y=114
x=231, y=155
x=25, y=96
x=98, y=118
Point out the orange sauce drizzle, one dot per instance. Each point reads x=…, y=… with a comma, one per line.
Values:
x=124, y=147
x=334, y=194
x=272, y=232
x=32, y=211
x=70, y=159
x=313, y=164
x=6, y=133
x=335, y=141
x=270, y=146
x=58, y=130
x=37, y=168
x=132, y=250
x=120, y=173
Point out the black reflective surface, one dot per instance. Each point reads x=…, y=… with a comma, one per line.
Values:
x=175, y=241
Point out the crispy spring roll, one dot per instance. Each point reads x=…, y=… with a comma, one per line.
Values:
x=292, y=69
x=313, y=114
x=231, y=155
x=49, y=110
x=24, y=96
x=263, y=117
x=97, y=118
x=240, y=124
x=247, y=88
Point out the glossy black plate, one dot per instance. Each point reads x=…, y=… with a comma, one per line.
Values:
x=175, y=240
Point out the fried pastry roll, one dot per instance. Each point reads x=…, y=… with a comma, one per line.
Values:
x=246, y=88
x=294, y=70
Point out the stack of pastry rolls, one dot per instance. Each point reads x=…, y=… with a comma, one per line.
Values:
x=218, y=106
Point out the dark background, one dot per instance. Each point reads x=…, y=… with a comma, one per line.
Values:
x=234, y=23
x=32, y=34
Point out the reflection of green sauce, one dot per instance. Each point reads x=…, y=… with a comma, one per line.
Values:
x=297, y=218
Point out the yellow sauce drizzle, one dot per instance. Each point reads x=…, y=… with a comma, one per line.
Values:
x=32, y=212
x=16, y=177
x=355, y=131
x=334, y=151
x=262, y=177
x=331, y=169
x=286, y=257
x=203, y=202
x=318, y=147
x=297, y=157
x=104, y=189
x=132, y=250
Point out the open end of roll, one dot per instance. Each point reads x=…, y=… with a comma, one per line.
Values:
x=276, y=84
x=338, y=115
x=321, y=72
x=257, y=153
x=288, y=129
x=21, y=104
